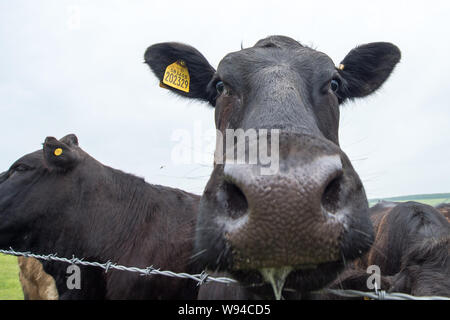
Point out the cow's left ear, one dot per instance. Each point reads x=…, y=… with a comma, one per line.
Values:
x=367, y=67
x=173, y=63
x=70, y=139
x=61, y=154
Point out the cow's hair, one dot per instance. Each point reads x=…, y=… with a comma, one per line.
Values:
x=278, y=42
x=420, y=263
x=402, y=225
x=433, y=252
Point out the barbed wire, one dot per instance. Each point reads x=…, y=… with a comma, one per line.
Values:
x=204, y=277
x=200, y=278
x=381, y=295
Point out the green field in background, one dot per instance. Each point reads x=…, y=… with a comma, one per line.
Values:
x=430, y=199
x=10, y=288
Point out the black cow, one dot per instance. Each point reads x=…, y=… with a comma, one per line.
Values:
x=411, y=248
x=297, y=225
x=61, y=200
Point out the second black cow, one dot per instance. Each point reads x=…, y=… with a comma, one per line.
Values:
x=61, y=200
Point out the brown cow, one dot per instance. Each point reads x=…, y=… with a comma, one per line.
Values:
x=444, y=208
x=36, y=283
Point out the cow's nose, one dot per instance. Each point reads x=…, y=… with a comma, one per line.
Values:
x=287, y=218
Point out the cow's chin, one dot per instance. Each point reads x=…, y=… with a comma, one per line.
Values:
x=299, y=283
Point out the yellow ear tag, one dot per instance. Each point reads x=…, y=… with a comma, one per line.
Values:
x=341, y=67
x=177, y=76
x=58, y=152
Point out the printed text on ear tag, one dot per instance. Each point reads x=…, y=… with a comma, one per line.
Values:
x=58, y=152
x=177, y=76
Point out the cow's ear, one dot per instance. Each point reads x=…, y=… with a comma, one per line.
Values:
x=70, y=139
x=61, y=154
x=367, y=67
x=187, y=59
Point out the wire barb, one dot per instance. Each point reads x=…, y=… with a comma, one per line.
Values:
x=203, y=278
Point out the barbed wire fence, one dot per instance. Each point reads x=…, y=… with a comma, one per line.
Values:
x=200, y=278
x=205, y=277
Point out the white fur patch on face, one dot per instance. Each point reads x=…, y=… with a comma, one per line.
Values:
x=230, y=225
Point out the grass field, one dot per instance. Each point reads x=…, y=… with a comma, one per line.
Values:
x=10, y=288
x=430, y=199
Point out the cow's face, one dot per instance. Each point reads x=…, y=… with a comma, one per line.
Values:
x=40, y=189
x=300, y=222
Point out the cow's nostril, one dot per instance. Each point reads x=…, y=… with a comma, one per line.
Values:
x=236, y=201
x=330, y=196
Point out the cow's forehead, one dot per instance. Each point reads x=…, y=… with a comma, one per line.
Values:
x=253, y=59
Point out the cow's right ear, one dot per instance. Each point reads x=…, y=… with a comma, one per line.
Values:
x=61, y=155
x=185, y=59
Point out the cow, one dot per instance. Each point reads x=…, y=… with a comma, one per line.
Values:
x=444, y=208
x=413, y=246
x=61, y=200
x=411, y=250
x=36, y=283
x=293, y=225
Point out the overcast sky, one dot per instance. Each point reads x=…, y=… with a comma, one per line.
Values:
x=77, y=67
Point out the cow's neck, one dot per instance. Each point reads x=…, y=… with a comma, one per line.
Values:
x=107, y=215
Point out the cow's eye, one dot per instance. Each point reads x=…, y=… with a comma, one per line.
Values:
x=334, y=85
x=220, y=87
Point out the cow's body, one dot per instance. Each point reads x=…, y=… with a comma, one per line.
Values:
x=61, y=200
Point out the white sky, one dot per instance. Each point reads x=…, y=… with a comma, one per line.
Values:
x=61, y=73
